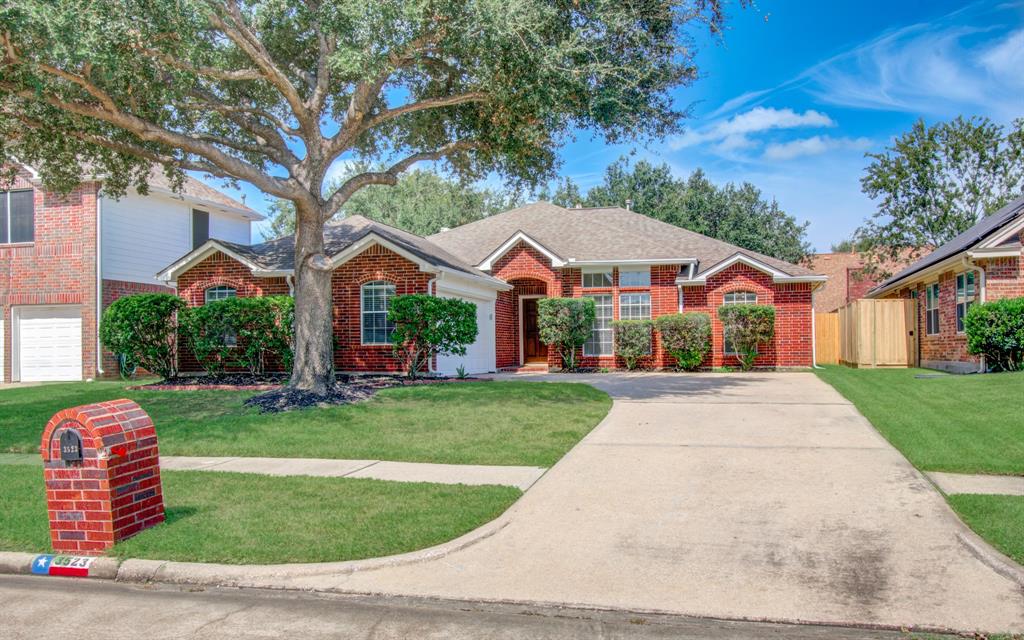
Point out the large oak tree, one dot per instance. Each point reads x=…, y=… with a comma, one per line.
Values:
x=273, y=92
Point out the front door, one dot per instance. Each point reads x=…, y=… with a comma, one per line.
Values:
x=533, y=349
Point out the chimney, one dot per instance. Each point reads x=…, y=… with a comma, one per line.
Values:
x=629, y=204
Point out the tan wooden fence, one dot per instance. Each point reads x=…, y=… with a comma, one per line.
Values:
x=826, y=338
x=878, y=333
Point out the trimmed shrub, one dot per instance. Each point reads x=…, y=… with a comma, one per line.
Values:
x=565, y=323
x=746, y=326
x=241, y=332
x=996, y=330
x=426, y=326
x=632, y=340
x=141, y=330
x=686, y=337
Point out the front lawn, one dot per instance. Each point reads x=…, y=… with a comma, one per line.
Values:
x=955, y=423
x=499, y=423
x=246, y=518
x=998, y=519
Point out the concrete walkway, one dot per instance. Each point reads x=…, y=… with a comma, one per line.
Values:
x=753, y=496
x=521, y=477
x=951, y=483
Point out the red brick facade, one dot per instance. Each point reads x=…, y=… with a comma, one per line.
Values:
x=1004, y=278
x=530, y=273
x=57, y=268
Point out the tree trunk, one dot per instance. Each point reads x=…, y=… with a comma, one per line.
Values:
x=314, y=336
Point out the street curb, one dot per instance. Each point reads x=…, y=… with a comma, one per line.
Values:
x=989, y=556
x=17, y=563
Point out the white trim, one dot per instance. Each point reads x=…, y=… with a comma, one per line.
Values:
x=924, y=276
x=747, y=260
x=98, y=313
x=640, y=262
x=203, y=252
x=522, y=335
x=994, y=252
x=507, y=246
x=1009, y=231
x=248, y=214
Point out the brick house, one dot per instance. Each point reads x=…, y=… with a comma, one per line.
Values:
x=846, y=278
x=63, y=258
x=633, y=266
x=986, y=262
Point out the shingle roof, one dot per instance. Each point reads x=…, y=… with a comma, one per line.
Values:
x=595, y=234
x=200, y=191
x=966, y=240
x=279, y=254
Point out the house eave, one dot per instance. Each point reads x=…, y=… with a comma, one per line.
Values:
x=639, y=262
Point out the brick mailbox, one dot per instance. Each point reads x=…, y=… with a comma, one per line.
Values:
x=102, y=471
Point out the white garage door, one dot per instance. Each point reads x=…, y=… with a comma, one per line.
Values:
x=48, y=343
x=479, y=356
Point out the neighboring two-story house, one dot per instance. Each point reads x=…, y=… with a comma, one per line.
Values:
x=63, y=258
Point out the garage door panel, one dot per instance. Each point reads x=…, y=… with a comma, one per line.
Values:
x=49, y=343
x=480, y=355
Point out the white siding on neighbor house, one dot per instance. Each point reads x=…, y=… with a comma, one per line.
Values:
x=142, y=235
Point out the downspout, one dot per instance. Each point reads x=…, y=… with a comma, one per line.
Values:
x=982, y=365
x=290, y=281
x=99, y=281
x=432, y=291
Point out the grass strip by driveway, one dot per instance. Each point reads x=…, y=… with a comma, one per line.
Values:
x=245, y=518
x=955, y=423
x=998, y=519
x=495, y=423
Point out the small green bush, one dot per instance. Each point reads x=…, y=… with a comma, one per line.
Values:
x=632, y=340
x=566, y=324
x=686, y=337
x=241, y=332
x=141, y=329
x=996, y=330
x=426, y=326
x=747, y=326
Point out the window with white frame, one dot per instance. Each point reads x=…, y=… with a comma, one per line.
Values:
x=740, y=297
x=635, y=306
x=600, y=341
x=17, y=216
x=597, y=279
x=931, y=308
x=220, y=292
x=965, y=296
x=634, y=276
x=735, y=297
x=375, y=299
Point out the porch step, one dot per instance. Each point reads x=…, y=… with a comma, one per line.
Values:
x=533, y=367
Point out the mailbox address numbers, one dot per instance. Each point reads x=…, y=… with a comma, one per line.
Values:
x=70, y=446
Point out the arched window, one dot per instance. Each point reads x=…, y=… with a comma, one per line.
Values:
x=736, y=297
x=740, y=297
x=220, y=292
x=375, y=298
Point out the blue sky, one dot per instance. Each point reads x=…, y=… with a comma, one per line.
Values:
x=798, y=91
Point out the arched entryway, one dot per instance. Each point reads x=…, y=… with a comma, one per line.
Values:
x=526, y=294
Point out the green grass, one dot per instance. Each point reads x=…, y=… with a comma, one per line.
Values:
x=245, y=518
x=998, y=519
x=955, y=423
x=500, y=423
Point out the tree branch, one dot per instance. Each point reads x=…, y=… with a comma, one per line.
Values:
x=209, y=72
x=390, y=176
x=422, y=105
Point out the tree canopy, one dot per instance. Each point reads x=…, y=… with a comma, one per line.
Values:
x=937, y=181
x=421, y=202
x=738, y=214
x=274, y=92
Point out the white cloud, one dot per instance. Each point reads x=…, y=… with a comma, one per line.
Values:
x=1005, y=59
x=732, y=133
x=813, y=146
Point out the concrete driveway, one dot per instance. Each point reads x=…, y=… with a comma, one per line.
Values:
x=754, y=496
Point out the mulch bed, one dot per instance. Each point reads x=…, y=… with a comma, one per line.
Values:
x=278, y=397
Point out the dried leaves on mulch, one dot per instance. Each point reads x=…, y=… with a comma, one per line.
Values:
x=287, y=398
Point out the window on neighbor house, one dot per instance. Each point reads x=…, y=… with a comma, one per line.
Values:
x=635, y=277
x=735, y=297
x=600, y=341
x=375, y=298
x=17, y=216
x=931, y=308
x=200, y=228
x=220, y=292
x=965, y=295
x=597, y=279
